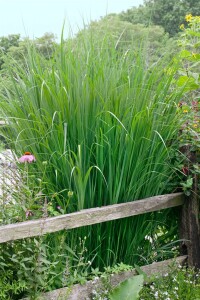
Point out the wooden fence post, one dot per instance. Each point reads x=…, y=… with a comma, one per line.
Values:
x=190, y=221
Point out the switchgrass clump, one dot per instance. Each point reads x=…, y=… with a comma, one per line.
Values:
x=104, y=124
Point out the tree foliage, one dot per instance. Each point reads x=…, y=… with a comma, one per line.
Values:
x=169, y=14
x=130, y=37
x=46, y=44
x=6, y=43
x=14, y=48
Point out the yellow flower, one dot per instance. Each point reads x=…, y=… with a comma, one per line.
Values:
x=188, y=18
x=195, y=125
x=185, y=111
x=182, y=26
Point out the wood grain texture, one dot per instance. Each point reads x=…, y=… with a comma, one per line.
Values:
x=190, y=221
x=88, y=217
x=83, y=292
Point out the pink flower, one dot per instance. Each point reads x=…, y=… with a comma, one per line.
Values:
x=29, y=213
x=27, y=157
x=185, y=170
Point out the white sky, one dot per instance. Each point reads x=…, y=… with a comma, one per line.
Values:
x=35, y=17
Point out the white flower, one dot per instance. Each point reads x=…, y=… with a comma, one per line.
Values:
x=174, y=279
x=165, y=293
x=152, y=287
x=179, y=266
x=156, y=294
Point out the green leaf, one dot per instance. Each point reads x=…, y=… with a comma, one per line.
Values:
x=197, y=45
x=70, y=251
x=188, y=183
x=185, y=54
x=140, y=271
x=128, y=289
x=193, y=33
x=188, y=83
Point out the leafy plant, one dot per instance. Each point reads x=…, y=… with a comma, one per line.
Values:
x=178, y=283
x=10, y=288
x=104, y=124
x=128, y=289
x=188, y=108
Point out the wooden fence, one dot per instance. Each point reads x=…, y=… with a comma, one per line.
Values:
x=87, y=217
x=188, y=212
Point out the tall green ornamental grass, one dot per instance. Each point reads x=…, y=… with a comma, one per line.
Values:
x=104, y=123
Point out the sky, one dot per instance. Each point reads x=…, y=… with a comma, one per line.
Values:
x=33, y=18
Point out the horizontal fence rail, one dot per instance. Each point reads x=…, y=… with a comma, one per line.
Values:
x=84, y=291
x=90, y=216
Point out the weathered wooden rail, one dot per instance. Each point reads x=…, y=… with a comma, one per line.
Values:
x=86, y=217
x=82, y=292
x=91, y=216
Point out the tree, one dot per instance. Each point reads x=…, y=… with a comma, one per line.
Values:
x=10, y=40
x=46, y=44
x=14, y=48
x=6, y=43
x=130, y=37
x=137, y=15
x=169, y=14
